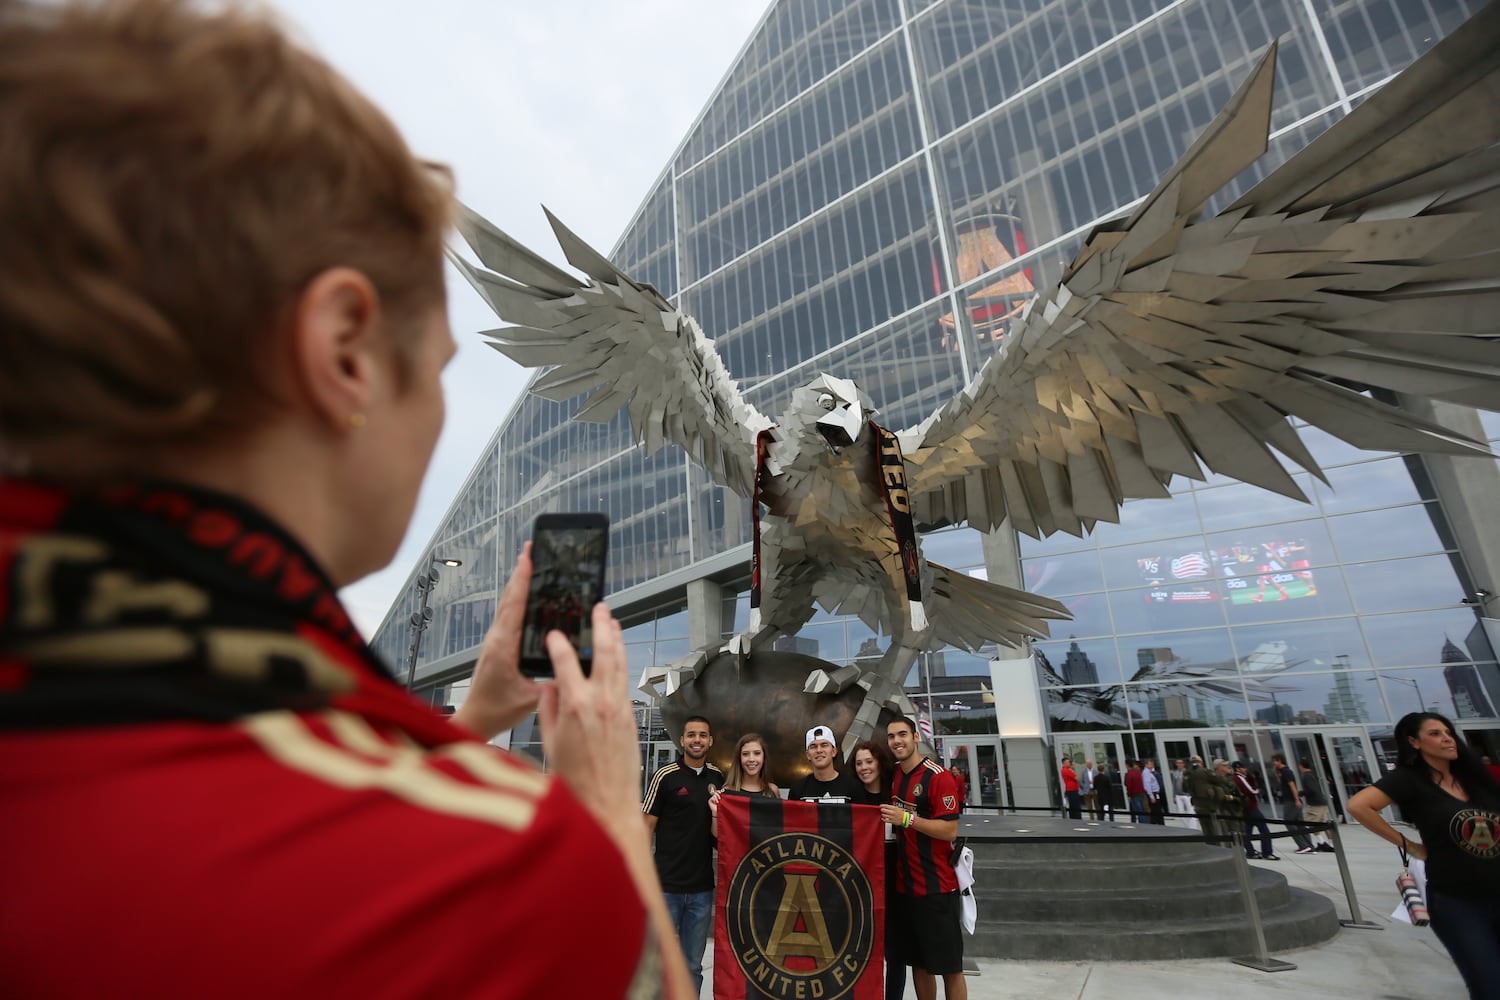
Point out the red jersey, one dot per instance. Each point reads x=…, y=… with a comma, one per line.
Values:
x=924, y=865
x=212, y=788
x=1069, y=779
x=298, y=856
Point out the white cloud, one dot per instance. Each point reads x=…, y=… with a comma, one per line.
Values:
x=576, y=105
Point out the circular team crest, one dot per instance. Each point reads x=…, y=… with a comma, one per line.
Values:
x=1477, y=831
x=800, y=917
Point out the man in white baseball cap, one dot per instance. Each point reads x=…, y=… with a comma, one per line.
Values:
x=825, y=782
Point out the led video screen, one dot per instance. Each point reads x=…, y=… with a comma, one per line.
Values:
x=1249, y=572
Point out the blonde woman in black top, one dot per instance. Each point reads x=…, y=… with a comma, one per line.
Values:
x=748, y=775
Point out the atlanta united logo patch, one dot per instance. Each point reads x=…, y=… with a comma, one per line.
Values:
x=800, y=917
x=1477, y=831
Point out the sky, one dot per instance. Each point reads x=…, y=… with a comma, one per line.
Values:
x=576, y=105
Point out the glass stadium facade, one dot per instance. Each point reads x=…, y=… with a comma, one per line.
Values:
x=875, y=191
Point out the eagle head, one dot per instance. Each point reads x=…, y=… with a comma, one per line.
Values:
x=835, y=408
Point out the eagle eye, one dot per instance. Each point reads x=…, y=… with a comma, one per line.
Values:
x=825, y=401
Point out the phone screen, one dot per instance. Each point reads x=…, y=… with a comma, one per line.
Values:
x=567, y=579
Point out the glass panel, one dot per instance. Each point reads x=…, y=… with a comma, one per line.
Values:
x=1400, y=584
x=1088, y=662
x=1331, y=451
x=1053, y=544
x=1374, y=40
x=1354, y=766
x=1186, y=705
x=1318, y=699
x=1145, y=519
x=955, y=547
x=1074, y=573
x=950, y=663
x=798, y=45
x=672, y=625
x=1322, y=644
x=845, y=271
x=1167, y=658
x=1421, y=637
x=959, y=714
x=1090, y=617
x=792, y=165
x=1455, y=691
x=825, y=641
x=1368, y=484
x=985, y=791
x=1156, y=609
x=1086, y=709
x=648, y=250
x=1394, y=531
x=1241, y=505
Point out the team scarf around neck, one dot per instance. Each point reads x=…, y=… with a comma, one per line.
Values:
x=155, y=602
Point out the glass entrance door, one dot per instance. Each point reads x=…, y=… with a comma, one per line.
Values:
x=978, y=760
x=1175, y=743
x=1103, y=749
x=1342, y=758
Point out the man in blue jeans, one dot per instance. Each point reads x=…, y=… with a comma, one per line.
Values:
x=1254, y=818
x=677, y=813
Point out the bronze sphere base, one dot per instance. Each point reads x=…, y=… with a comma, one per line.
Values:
x=765, y=696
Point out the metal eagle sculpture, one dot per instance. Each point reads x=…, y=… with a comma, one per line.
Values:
x=1173, y=342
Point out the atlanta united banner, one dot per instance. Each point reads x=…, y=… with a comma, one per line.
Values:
x=800, y=908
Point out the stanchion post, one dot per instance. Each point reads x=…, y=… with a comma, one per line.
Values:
x=1354, y=917
x=1262, y=959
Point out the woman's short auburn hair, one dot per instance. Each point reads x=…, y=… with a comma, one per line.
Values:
x=171, y=177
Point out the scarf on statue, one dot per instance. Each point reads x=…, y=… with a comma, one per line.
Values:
x=155, y=602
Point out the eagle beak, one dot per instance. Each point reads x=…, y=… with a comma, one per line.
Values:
x=839, y=427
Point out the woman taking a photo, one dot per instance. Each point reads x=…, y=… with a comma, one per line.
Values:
x=222, y=323
x=1445, y=792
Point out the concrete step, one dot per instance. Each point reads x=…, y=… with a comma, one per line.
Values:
x=1304, y=919
x=1185, y=867
x=1046, y=903
x=1055, y=889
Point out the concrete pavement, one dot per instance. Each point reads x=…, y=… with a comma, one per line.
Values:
x=1396, y=962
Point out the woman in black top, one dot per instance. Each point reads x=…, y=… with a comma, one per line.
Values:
x=748, y=776
x=1447, y=794
x=748, y=773
x=873, y=767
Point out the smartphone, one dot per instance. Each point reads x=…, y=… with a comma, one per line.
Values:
x=567, y=580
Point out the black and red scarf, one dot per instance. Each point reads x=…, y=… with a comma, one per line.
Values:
x=155, y=602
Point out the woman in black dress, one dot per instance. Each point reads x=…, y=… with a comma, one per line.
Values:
x=1445, y=792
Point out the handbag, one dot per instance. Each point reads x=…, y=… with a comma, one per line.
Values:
x=1411, y=894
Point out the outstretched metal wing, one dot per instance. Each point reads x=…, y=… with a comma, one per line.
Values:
x=618, y=338
x=1370, y=259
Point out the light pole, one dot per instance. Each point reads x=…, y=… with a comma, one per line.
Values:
x=421, y=618
x=1421, y=705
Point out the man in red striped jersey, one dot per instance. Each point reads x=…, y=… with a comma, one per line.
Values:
x=925, y=915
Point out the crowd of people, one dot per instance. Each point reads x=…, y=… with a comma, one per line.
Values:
x=1223, y=799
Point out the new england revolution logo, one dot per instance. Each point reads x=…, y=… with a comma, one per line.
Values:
x=800, y=916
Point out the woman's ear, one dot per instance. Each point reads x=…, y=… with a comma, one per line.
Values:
x=336, y=345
